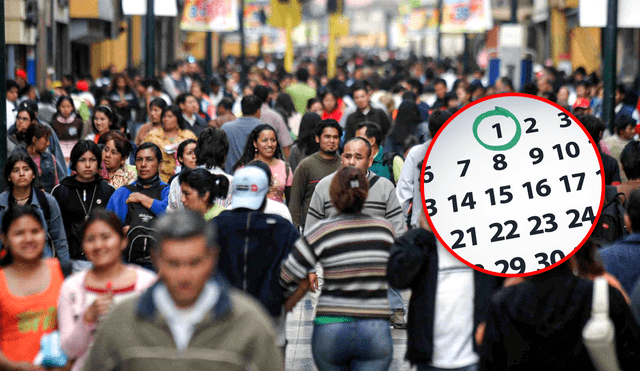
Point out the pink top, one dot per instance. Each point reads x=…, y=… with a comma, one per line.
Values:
x=76, y=336
x=281, y=177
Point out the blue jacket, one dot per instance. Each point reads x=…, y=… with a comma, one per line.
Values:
x=54, y=148
x=622, y=259
x=54, y=228
x=252, y=247
x=117, y=202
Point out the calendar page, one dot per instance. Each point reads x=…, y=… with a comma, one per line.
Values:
x=512, y=185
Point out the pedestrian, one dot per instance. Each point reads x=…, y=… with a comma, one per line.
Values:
x=36, y=137
x=29, y=288
x=189, y=107
x=103, y=120
x=274, y=119
x=154, y=112
x=253, y=244
x=365, y=112
x=210, y=152
x=168, y=138
x=87, y=297
x=315, y=167
x=115, y=154
x=21, y=175
x=305, y=144
x=80, y=194
x=67, y=124
x=191, y=318
x=200, y=190
x=331, y=106
x=351, y=328
x=238, y=131
x=263, y=145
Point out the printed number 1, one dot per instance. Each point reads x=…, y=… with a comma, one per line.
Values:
x=498, y=130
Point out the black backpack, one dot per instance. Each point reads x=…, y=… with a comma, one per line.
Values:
x=140, y=234
x=610, y=226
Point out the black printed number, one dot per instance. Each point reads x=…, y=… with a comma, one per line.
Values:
x=512, y=232
x=431, y=206
x=570, y=148
x=565, y=119
x=565, y=179
x=466, y=201
x=499, y=162
x=466, y=164
x=504, y=192
x=517, y=264
x=542, y=189
x=537, y=155
x=587, y=216
x=458, y=244
x=428, y=175
x=550, y=221
x=543, y=258
x=532, y=126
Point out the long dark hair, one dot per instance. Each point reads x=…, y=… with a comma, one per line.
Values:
x=177, y=112
x=104, y=215
x=59, y=102
x=406, y=122
x=14, y=213
x=306, y=141
x=203, y=181
x=111, y=115
x=249, y=153
x=16, y=157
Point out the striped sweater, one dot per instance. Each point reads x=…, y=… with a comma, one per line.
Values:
x=353, y=251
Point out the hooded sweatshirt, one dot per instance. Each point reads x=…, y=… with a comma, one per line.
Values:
x=77, y=200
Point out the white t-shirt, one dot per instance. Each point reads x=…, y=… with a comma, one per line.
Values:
x=453, y=318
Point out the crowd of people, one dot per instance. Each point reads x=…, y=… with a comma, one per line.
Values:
x=172, y=223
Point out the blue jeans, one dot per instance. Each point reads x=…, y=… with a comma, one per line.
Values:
x=364, y=345
x=426, y=367
x=395, y=299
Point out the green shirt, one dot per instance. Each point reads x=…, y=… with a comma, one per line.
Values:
x=300, y=93
x=213, y=212
x=382, y=169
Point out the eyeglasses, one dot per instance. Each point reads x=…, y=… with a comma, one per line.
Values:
x=23, y=118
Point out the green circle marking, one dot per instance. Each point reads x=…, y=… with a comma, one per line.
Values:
x=499, y=111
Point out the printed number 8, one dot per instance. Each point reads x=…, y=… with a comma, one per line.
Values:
x=499, y=162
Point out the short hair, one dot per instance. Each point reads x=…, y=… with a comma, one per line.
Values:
x=621, y=89
x=358, y=86
x=373, y=131
x=120, y=141
x=349, y=190
x=409, y=95
x=10, y=84
x=158, y=102
x=226, y=103
x=36, y=130
x=212, y=148
x=530, y=88
x=630, y=160
x=366, y=142
x=148, y=145
x=311, y=102
x=182, y=98
x=622, y=122
x=328, y=123
x=440, y=81
x=594, y=126
x=302, y=75
x=80, y=148
x=436, y=120
x=262, y=92
x=181, y=148
x=250, y=104
x=633, y=210
x=16, y=157
x=177, y=112
x=191, y=225
x=202, y=181
x=416, y=84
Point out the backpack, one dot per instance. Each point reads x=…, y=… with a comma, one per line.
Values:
x=140, y=234
x=387, y=160
x=610, y=226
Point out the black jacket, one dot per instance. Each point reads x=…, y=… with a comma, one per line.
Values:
x=414, y=264
x=377, y=116
x=537, y=325
x=70, y=194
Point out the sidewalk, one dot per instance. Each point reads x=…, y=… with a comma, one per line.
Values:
x=300, y=329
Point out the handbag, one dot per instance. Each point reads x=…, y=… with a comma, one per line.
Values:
x=598, y=335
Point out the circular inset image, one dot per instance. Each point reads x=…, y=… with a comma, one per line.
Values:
x=512, y=185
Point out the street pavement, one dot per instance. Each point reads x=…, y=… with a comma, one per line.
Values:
x=300, y=329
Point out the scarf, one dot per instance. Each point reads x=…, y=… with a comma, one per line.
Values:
x=148, y=183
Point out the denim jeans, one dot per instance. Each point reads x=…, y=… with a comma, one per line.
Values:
x=361, y=345
x=426, y=367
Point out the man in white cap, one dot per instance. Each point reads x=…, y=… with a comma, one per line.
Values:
x=253, y=244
